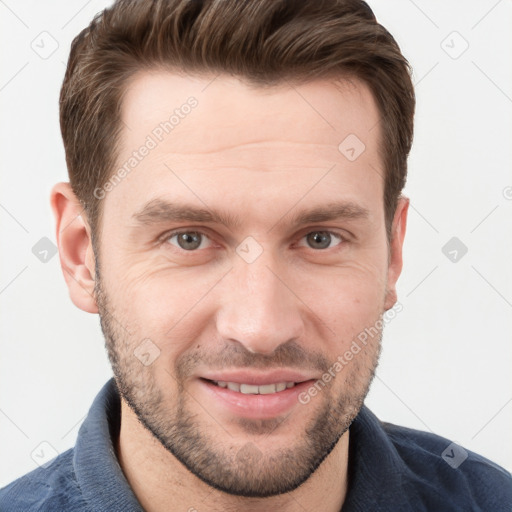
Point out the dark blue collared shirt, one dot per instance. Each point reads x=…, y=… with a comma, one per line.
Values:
x=391, y=469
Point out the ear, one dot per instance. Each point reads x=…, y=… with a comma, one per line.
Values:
x=395, y=251
x=75, y=247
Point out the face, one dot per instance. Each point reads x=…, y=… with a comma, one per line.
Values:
x=240, y=256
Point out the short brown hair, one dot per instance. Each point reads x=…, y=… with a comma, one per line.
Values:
x=263, y=42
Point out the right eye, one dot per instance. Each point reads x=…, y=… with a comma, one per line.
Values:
x=188, y=240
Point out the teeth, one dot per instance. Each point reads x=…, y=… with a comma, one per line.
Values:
x=234, y=386
x=248, y=389
x=267, y=389
x=251, y=389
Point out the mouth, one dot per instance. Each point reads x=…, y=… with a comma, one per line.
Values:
x=253, y=389
x=253, y=400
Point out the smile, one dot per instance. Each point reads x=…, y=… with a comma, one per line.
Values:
x=257, y=400
x=251, y=389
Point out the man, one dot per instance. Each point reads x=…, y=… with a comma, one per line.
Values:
x=235, y=216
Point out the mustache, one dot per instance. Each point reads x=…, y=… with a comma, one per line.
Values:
x=235, y=355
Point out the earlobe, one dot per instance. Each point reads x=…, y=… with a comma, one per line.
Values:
x=395, y=250
x=75, y=247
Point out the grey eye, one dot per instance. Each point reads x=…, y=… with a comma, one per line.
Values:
x=321, y=239
x=188, y=240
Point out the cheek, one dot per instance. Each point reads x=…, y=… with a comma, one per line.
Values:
x=346, y=299
x=162, y=304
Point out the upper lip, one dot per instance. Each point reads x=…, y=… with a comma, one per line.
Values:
x=258, y=378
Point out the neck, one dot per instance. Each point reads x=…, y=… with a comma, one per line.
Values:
x=158, y=479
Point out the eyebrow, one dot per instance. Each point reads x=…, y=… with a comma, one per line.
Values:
x=159, y=211
x=331, y=211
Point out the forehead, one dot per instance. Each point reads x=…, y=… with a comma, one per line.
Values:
x=322, y=111
x=218, y=136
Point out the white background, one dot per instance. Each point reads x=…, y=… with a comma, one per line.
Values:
x=446, y=363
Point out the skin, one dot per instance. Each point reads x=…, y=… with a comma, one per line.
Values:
x=264, y=156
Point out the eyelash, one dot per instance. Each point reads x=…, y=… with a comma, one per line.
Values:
x=165, y=238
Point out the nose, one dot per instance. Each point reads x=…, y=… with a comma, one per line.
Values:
x=259, y=307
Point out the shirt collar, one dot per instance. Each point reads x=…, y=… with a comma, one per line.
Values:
x=96, y=466
x=375, y=469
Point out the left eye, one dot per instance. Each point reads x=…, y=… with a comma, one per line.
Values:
x=322, y=239
x=188, y=240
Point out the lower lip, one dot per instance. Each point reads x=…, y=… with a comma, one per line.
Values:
x=255, y=406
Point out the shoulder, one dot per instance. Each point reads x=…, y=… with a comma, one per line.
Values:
x=49, y=488
x=439, y=465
